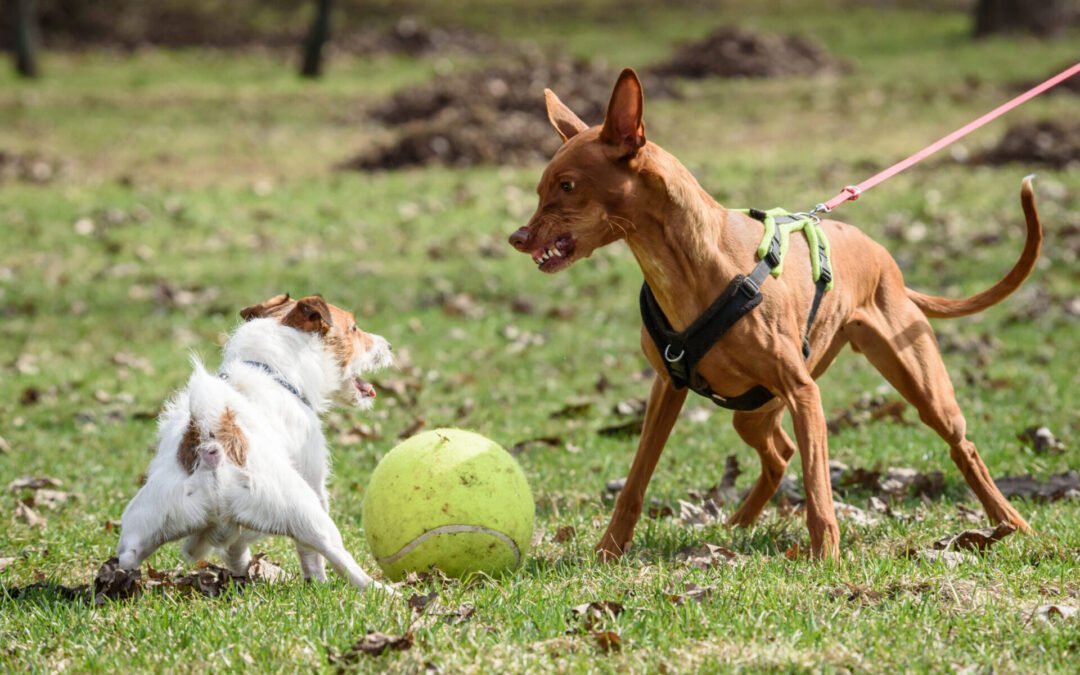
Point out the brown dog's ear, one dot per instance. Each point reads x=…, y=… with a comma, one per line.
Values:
x=623, y=126
x=311, y=315
x=562, y=118
x=264, y=309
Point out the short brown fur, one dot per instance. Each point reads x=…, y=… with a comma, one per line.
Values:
x=608, y=183
x=188, y=452
x=232, y=438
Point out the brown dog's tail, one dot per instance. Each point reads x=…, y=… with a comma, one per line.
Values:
x=945, y=308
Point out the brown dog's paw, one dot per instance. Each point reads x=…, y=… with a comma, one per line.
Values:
x=608, y=551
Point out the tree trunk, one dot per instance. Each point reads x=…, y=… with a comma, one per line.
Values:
x=313, y=46
x=1044, y=18
x=24, y=36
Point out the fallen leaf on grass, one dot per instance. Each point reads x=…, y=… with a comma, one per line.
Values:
x=691, y=593
x=968, y=514
x=359, y=432
x=1058, y=486
x=615, y=485
x=1046, y=613
x=698, y=515
x=373, y=644
x=975, y=540
x=868, y=408
x=542, y=441
x=707, y=556
x=25, y=513
x=114, y=583
x=629, y=429
x=608, y=641
x=591, y=615
x=854, y=514
x=564, y=534
x=33, y=483
x=572, y=410
x=209, y=580
x=50, y=499
x=951, y=559
x=417, y=424
x=261, y=569
x=419, y=602
x=634, y=407
x=5, y=563
x=1041, y=439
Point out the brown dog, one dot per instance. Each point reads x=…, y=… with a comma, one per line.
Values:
x=608, y=183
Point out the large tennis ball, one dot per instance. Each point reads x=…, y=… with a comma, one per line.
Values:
x=450, y=499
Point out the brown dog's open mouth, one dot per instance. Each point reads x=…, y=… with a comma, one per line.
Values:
x=364, y=388
x=555, y=256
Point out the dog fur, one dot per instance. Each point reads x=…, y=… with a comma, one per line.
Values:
x=608, y=183
x=240, y=456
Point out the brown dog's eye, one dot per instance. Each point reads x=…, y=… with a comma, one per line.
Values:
x=567, y=186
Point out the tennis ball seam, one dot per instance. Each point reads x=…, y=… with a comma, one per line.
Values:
x=452, y=529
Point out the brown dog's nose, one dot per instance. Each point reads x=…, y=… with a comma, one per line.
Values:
x=520, y=238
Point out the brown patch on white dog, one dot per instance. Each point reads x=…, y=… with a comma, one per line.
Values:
x=188, y=452
x=232, y=438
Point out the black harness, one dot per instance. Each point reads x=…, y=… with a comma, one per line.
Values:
x=681, y=351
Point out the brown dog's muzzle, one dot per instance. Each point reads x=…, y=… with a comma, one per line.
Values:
x=520, y=239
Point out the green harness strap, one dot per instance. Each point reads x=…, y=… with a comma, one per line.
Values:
x=811, y=229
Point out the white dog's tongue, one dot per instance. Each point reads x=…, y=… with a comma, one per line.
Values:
x=365, y=388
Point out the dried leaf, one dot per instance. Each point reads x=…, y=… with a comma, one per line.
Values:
x=33, y=483
x=951, y=559
x=50, y=499
x=209, y=580
x=657, y=510
x=1041, y=439
x=695, y=515
x=854, y=514
x=707, y=556
x=5, y=563
x=630, y=407
x=1046, y=613
x=419, y=602
x=374, y=644
x=692, y=593
x=1056, y=487
x=615, y=485
x=607, y=640
x=564, y=534
x=417, y=424
x=113, y=583
x=573, y=410
x=24, y=512
x=591, y=615
x=261, y=569
x=628, y=429
x=975, y=540
x=523, y=446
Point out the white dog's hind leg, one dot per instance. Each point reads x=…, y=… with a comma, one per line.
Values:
x=238, y=557
x=299, y=515
x=312, y=564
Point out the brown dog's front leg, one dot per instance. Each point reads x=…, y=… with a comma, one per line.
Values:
x=812, y=435
x=660, y=415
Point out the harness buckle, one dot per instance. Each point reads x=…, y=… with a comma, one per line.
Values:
x=669, y=359
x=749, y=287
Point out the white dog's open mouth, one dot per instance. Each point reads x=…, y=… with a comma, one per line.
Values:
x=364, y=388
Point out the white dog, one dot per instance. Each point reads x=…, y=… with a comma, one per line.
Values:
x=241, y=454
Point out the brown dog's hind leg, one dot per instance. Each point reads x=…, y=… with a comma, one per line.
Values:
x=762, y=432
x=660, y=415
x=900, y=343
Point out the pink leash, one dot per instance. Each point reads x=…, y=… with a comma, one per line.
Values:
x=852, y=192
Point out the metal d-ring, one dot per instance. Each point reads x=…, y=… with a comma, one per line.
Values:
x=667, y=356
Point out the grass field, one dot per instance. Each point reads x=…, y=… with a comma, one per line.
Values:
x=201, y=182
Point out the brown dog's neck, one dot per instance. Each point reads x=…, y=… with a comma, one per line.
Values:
x=680, y=238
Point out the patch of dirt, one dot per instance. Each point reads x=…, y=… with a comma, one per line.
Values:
x=734, y=52
x=31, y=167
x=495, y=115
x=1052, y=142
x=415, y=38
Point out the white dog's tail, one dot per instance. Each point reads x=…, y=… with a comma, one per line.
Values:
x=213, y=433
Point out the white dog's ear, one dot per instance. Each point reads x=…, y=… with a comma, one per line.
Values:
x=264, y=309
x=311, y=315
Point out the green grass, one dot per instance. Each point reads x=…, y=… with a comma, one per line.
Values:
x=211, y=173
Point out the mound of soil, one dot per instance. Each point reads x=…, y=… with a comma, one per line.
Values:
x=491, y=116
x=412, y=37
x=732, y=52
x=1054, y=143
